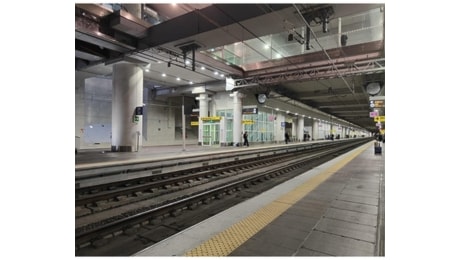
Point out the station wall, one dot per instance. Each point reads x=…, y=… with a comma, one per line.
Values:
x=162, y=117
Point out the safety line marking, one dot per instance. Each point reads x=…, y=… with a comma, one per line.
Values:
x=225, y=242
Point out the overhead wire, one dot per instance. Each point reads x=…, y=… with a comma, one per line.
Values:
x=325, y=52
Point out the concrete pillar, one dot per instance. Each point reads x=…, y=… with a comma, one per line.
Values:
x=237, y=118
x=203, y=101
x=314, y=130
x=204, y=105
x=127, y=83
x=300, y=124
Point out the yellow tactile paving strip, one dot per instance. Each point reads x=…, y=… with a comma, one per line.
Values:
x=228, y=240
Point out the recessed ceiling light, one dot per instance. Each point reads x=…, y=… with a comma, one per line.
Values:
x=163, y=75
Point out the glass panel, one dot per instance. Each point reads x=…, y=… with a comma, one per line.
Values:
x=206, y=134
x=360, y=28
x=215, y=133
x=229, y=130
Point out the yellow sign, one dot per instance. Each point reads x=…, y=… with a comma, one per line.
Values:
x=194, y=123
x=248, y=122
x=379, y=119
x=211, y=118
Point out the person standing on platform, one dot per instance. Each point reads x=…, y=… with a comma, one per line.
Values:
x=245, y=137
x=286, y=137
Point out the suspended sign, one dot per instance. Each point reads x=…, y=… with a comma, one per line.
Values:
x=229, y=84
x=211, y=119
x=379, y=119
x=376, y=103
x=250, y=110
x=374, y=114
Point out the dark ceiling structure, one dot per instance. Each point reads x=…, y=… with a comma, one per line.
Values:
x=330, y=57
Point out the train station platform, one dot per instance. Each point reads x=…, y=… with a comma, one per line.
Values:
x=103, y=157
x=100, y=156
x=335, y=209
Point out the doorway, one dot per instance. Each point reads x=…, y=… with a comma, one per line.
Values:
x=211, y=134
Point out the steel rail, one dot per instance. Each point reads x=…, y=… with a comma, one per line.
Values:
x=128, y=221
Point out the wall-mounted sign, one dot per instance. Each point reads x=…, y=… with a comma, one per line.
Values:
x=248, y=122
x=194, y=123
x=138, y=111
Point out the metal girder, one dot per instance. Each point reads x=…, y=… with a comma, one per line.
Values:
x=324, y=72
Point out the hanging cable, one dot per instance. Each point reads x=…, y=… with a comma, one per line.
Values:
x=325, y=52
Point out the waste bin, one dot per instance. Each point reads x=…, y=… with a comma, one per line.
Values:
x=377, y=148
x=77, y=144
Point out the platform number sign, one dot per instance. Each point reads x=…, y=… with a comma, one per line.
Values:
x=139, y=111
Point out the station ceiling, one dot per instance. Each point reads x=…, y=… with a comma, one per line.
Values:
x=264, y=48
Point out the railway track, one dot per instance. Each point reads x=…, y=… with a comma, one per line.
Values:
x=122, y=209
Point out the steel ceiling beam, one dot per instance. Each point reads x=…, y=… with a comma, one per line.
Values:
x=325, y=72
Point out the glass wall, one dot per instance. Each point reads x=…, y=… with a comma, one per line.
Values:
x=228, y=115
x=359, y=28
x=259, y=126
